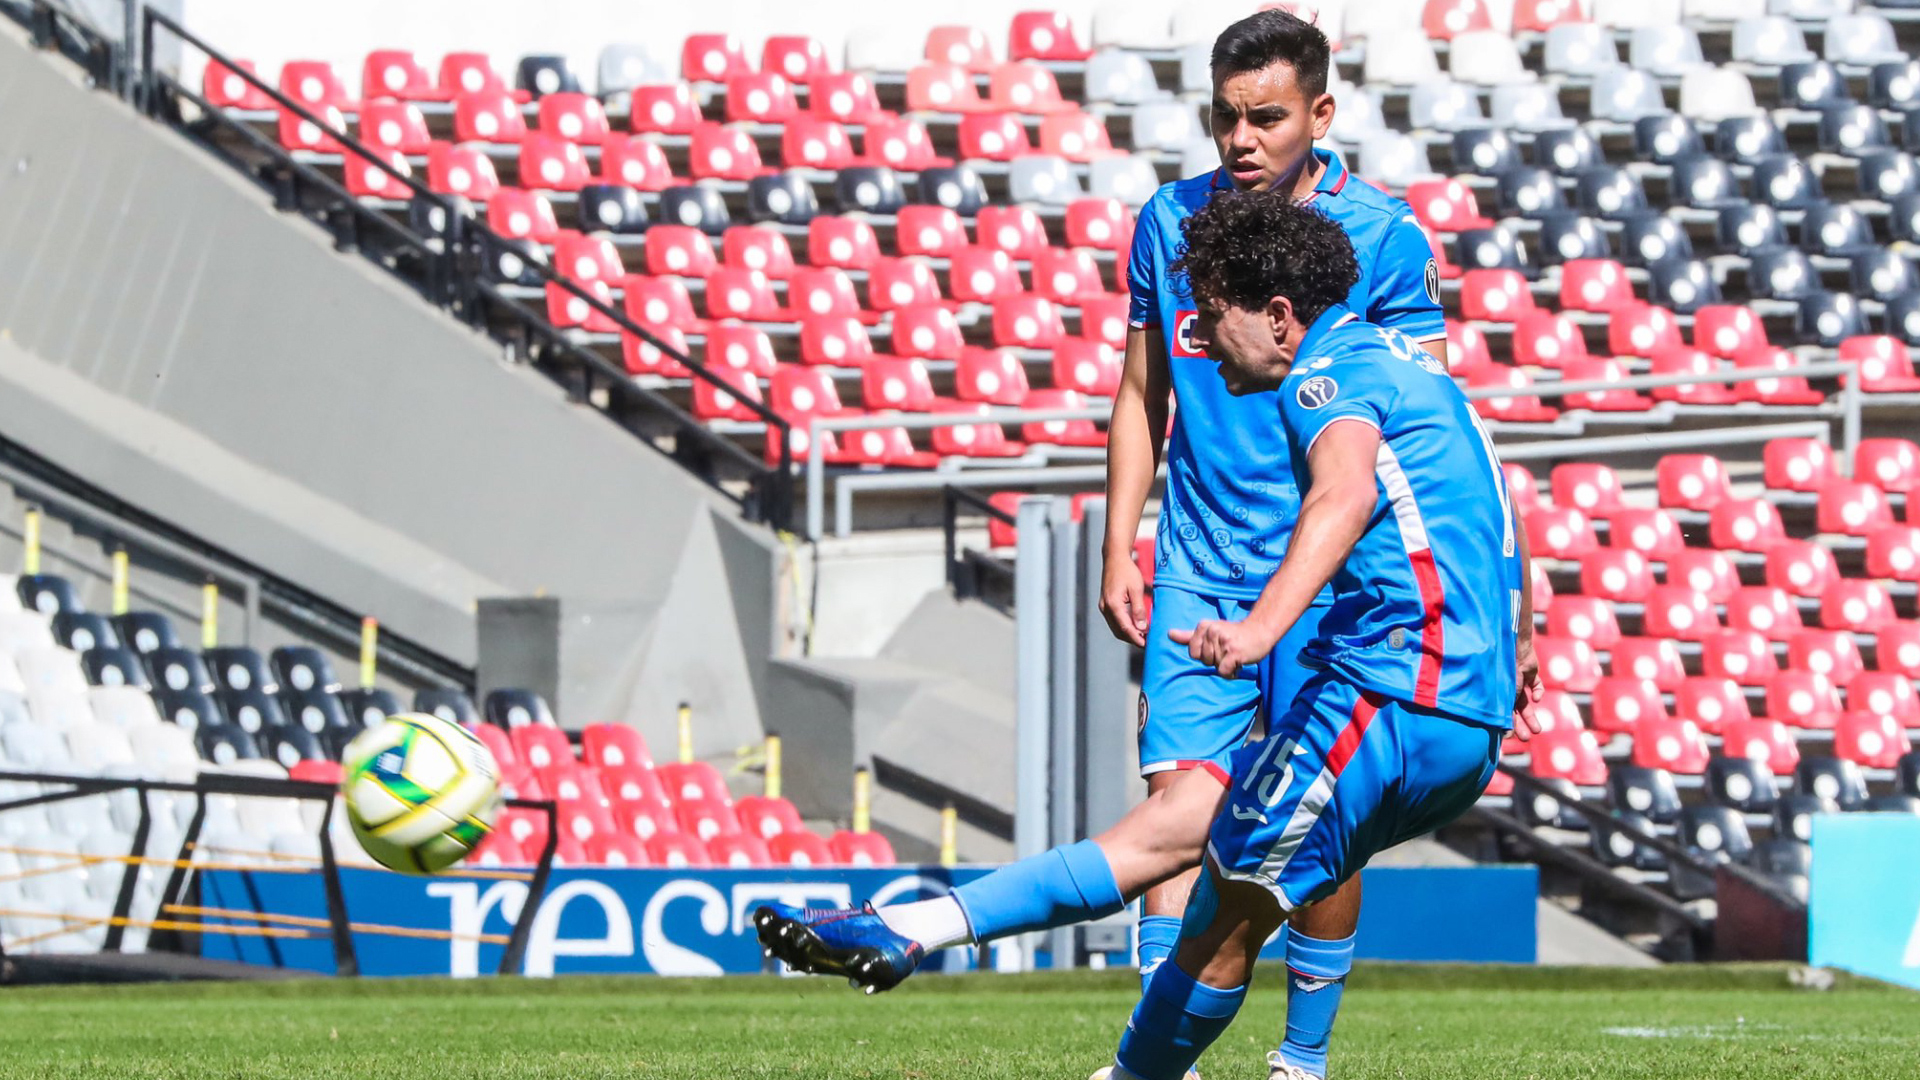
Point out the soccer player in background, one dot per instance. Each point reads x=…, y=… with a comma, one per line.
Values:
x=1416, y=665
x=1230, y=500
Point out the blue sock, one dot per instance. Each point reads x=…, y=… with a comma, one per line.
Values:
x=1158, y=934
x=1057, y=887
x=1175, y=1022
x=1316, y=976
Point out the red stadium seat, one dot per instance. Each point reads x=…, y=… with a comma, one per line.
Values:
x=634, y=163
x=738, y=851
x=366, y=179
x=1745, y=525
x=1691, y=482
x=1897, y=648
x=1594, y=285
x=926, y=331
x=1780, y=390
x=1101, y=224
x=1679, y=613
x=1104, y=319
x=1547, y=339
x=1799, y=465
x=305, y=135
x=993, y=137
x=1029, y=322
x=583, y=819
x=566, y=779
x=1444, y=19
x=1766, y=741
x=928, y=230
x=1016, y=230
x=1870, y=740
x=472, y=73
x=745, y=349
x=761, y=98
x=1620, y=705
x=668, y=109
x=1893, y=551
x=767, y=817
x=1539, y=16
x=963, y=46
x=1467, y=351
x=845, y=97
x=754, y=247
x=1741, y=655
x=616, y=849
x=800, y=849
x=1001, y=534
x=1594, y=490
x=1885, y=364
x=693, y=780
x=724, y=153
x=1522, y=487
x=1494, y=295
x=394, y=125
x=1825, y=652
x=838, y=340
x=496, y=741
x=614, y=746
x=860, y=849
x=1559, y=533
x=584, y=257
x=497, y=849
x=1542, y=589
x=224, y=88
x=942, y=88
x=801, y=393
x=1765, y=610
x=522, y=215
x=1026, y=88
x=1567, y=664
x=574, y=117
x=540, y=746
x=1862, y=607
x=983, y=275
x=1066, y=276
x=1044, y=35
x=1075, y=136
x=990, y=376
x=824, y=290
x=712, y=403
x=1885, y=693
x=568, y=309
x=1060, y=432
x=1802, y=699
x=1446, y=205
x=809, y=142
x=891, y=383
x=660, y=304
x=1567, y=755
x=983, y=440
x=1558, y=711
x=1586, y=618
x=1800, y=567
x=907, y=282
x=1094, y=367
x=313, y=84
x=848, y=243
x=677, y=851
x=1679, y=360
x=1852, y=509
x=1707, y=572
x=1710, y=702
x=1610, y=399
x=1728, y=330
x=1892, y=465
x=1519, y=407
x=316, y=772
x=713, y=58
x=527, y=829
x=705, y=818
x=1674, y=745
x=490, y=116
x=1654, y=660
x=1639, y=329
x=549, y=162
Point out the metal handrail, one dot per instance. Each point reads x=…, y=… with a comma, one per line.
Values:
x=951, y=499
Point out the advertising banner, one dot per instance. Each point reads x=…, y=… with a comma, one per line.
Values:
x=1863, y=911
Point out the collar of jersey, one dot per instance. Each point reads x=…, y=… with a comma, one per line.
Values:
x=1333, y=176
x=1337, y=315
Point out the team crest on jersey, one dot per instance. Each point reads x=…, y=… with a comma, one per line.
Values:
x=1316, y=392
x=1183, y=323
x=1433, y=281
x=1143, y=712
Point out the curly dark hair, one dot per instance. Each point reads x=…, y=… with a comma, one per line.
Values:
x=1246, y=247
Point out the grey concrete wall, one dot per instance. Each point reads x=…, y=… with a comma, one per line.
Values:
x=168, y=335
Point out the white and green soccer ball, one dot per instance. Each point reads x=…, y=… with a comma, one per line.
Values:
x=420, y=792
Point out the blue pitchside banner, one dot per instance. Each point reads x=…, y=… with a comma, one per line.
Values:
x=1863, y=911
x=604, y=920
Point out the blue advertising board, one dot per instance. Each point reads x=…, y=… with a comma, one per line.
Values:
x=1863, y=908
x=667, y=922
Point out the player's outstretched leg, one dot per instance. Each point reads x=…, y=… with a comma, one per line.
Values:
x=878, y=947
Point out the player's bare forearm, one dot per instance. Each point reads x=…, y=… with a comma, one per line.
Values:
x=1438, y=347
x=1136, y=433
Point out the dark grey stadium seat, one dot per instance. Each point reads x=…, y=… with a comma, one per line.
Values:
x=1782, y=274
x=869, y=189
x=1836, y=229
x=612, y=208
x=83, y=630
x=512, y=707
x=291, y=745
x=447, y=704
x=1813, y=84
x=191, y=708
x=239, y=668
x=224, y=744
x=1496, y=248
x=1894, y=84
x=956, y=187
x=1741, y=783
x=1483, y=152
x=696, y=205
x=1636, y=789
x=1665, y=139
x=1784, y=182
x=1683, y=285
x=1616, y=848
x=316, y=711
x=786, y=198
x=1852, y=130
x=145, y=631
x=367, y=708
x=1828, y=318
x=1833, y=778
x=1566, y=150
x=1748, y=229
x=1793, y=814
x=1705, y=183
x=1744, y=138
x=113, y=665
x=48, y=594
x=1539, y=809
x=251, y=709
x=178, y=669
x=303, y=667
x=1609, y=191
x=543, y=74
x=1528, y=192
x=1567, y=235
x=1650, y=237
x=1881, y=275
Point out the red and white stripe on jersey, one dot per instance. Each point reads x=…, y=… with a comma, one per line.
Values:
x=1426, y=573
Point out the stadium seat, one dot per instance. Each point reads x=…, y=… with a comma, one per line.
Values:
x=1640, y=330
x=799, y=848
x=1858, y=606
x=1750, y=525
x=1584, y=618
x=573, y=116
x=1871, y=741
x=1594, y=490
x=1680, y=613
x=447, y=704
x=1710, y=702
x=1621, y=704
x=860, y=849
x=693, y=780
x=677, y=851
x=1648, y=659
x=1691, y=482
x=1852, y=509
x=1885, y=364
x=1741, y=655
x=1803, y=699
x=1567, y=664
x=1567, y=755
x=1764, y=609
x=1545, y=339
x=1800, y=568
x=738, y=851
x=1707, y=572
x=515, y=708
x=1494, y=295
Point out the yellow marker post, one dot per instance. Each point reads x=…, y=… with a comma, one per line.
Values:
x=369, y=650
x=209, y=615
x=949, y=836
x=686, y=734
x=773, y=766
x=862, y=800
x=120, y=604
x=30, y=541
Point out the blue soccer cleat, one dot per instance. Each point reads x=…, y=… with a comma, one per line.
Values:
x=854, y=942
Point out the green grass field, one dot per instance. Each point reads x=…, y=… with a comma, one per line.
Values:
x=1398, y=1021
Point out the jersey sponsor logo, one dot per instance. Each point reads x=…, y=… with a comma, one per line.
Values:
x=1183, y=323
x=1143, y=714
x=1316, y=392
x=1433, y=281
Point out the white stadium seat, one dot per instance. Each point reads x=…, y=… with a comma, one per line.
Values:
x=1770, y=39
x=24, y=630
x=1122, y=78
x=1580, y=49
x=1401, y=57
x=1715, y=94
x=123, y=706
x=1132, y=24
x=1486, y=58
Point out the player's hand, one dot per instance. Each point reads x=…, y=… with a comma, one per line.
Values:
x=1123, y=600
x=1225, y=646
x=1527, y=694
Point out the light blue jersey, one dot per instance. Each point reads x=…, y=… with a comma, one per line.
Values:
x=1426, y=607
x=1230, y=498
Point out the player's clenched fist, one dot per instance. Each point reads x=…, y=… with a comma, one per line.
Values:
x=1225, y=646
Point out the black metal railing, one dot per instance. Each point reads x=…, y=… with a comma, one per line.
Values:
x=970, y=574
x=51, y=26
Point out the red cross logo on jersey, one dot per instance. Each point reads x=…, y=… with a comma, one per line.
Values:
x=1182, y=344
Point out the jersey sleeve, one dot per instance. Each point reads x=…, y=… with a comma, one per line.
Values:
x=1406, y=282
x=1311, y=403
x=1144, y=271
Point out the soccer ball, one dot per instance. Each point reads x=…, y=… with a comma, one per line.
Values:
x=420, y=792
